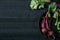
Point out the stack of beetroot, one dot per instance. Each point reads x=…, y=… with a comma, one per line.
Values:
x=50, y=20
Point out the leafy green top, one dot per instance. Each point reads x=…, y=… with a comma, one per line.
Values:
x=38, y=3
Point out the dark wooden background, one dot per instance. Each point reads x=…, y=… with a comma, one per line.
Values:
x=18, y=21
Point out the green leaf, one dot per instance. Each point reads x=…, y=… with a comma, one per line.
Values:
x=41, y=6
x=55, y=15
x=44, y=1
x=34, y=4
x=58, y=27
x=52, y=7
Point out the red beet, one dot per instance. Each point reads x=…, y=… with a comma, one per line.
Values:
x=44, y=30
x=50, y=33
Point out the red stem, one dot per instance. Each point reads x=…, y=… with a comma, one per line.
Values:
x=42, y=24
x=47, y=26
x=58, y=5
